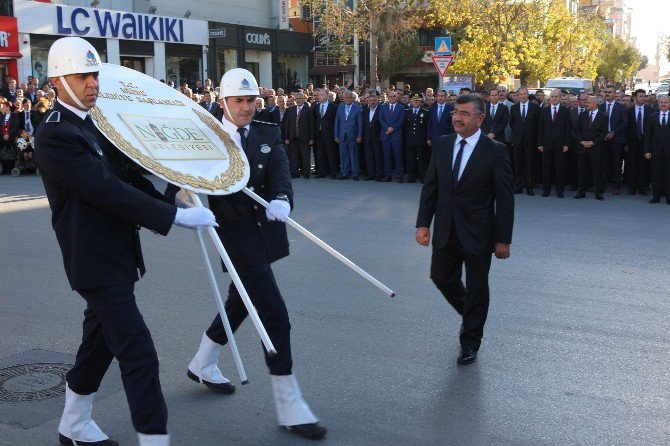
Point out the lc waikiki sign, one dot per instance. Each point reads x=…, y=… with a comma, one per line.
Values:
x=35, y=17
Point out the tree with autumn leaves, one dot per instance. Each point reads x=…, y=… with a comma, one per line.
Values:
x=497, y=40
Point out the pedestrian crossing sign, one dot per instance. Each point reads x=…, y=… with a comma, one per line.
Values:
x=443, y=46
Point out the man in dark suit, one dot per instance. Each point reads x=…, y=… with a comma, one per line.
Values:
x=373, y=145
x=324, y=125
x=496, y=119
x=391, y=121
x=31, y=94
x=637, y=166
x=616, y=137
x=523, y=120
x=416, y=137
x=99, y=199
x=571, y=164
x=26, y=118
x=299, y=134
x=199, y=88
x=591, y=132
x=262, y=114
x=211, y=106
x=279, y=112
x=553, y=142
x=468, y=189
x=657, y=149
x=10, y=93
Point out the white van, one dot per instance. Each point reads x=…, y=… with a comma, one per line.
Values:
x=574, y=85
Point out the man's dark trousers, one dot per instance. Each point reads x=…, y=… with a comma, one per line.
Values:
x=259, y=281
x=114, y=328
x=470, y=301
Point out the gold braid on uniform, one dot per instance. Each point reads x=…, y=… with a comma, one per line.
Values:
x=230, y=177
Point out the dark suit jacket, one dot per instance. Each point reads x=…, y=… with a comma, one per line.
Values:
x=574, y=124
x=325, y=125
x=263, y=115
x=550, y=134
x=216, y=110
x=396, y=120
x=14, y=130
x=249, y=238
x=631, y=127
x=498, y=123
x=416, y=127
x=618, y=120
x=657, y=137
x=444, y=126
x=303, y=130
x=524, y=130
x=371, y=129
x=278, y=119
x=588, y=131
x=482, y=203
x=97, y=202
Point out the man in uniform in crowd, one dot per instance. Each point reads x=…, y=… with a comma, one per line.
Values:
x=554, y=142
x=468, y=190
x=99, y=199
x=637, y=166
x=416, y=135
x=523, y=120
x=254, y=238
x=657, y=149
x=591, y=132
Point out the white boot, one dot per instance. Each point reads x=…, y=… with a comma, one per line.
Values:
x=153, y=440
x=292, y=410
x=76, y=423
x=203, y=365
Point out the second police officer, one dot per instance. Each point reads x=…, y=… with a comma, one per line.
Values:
x=254, y=238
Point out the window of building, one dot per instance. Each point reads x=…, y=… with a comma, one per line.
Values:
x=6, y=8
x=226, y=59
x=39, y=49
x=290, y=69
x=183, y=63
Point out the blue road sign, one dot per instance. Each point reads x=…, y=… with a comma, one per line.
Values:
x=443, y=46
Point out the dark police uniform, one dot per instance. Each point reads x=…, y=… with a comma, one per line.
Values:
x=253, y=242
x=98, y=200
x=416, y=137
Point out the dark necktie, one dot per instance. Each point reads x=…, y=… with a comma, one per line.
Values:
x=555, y=115
x=392, y=108
x=609, y=125
x=664, y=121
x=639, y=121
x=523, y=112
x=416, y=111
x=457, y=163
x=243, y=138
x=439, y=112
x=89, y=120
x=590, y=119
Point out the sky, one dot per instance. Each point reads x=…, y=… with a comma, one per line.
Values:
x=650, y=20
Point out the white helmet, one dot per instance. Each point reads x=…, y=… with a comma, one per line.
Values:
x=238, y=82
x=72, y=55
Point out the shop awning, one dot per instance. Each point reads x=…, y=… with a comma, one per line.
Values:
x=325, y=70
x=10, y=55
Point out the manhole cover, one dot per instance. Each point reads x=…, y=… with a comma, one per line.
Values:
x=32, y=382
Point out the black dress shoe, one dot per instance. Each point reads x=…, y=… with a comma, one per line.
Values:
x=530, y=192
x=66, y=441
x=398, y=180
x=518, y=191
x=369, y=179
x=467, y=357
x=355, y=178
x=578, y=196
x=560, y=195
x=306, y=177
x=632, y=192
x=320, y=176
x=342, y=177
x=311, y=431
x=411, y=180
x=226, y=388
x=600, y=197
x=667, y=200
x=385, y=179
x=654, y=200
x=643, y=193
x=295, y=176
x=545, y=194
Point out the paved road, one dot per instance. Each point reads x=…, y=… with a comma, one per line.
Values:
x=576, y=352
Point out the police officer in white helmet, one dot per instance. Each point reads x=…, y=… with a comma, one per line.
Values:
x=99, y=200
x=254, y=238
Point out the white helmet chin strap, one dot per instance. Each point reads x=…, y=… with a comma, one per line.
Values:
x=230, y=117
x=72, y=95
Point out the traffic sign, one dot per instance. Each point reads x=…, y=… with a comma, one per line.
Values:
x=442, y=64
x=443, y=46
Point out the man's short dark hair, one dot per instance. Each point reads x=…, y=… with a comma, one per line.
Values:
x=441, y=90
x=472, y=99
x=539, y=91
x=638, y=91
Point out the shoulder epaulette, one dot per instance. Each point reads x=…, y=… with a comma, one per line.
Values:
x=263, y=122
x=54, y=116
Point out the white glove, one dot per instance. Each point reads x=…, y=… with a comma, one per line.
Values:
x=278, y=210
x=194, y=217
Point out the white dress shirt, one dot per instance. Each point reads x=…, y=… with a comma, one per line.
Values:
x=81, y=113
x=231, y=129
x=471, y=142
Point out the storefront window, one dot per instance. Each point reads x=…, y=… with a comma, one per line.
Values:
x=183, y=64
x=291, y=68
x=39, y=48
x=226, y=59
